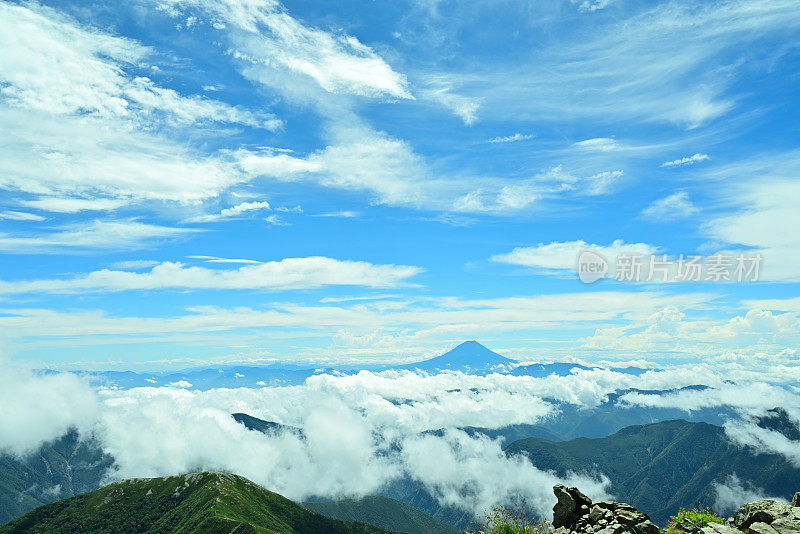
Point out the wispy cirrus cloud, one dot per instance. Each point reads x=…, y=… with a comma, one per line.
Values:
x=232, y=212
x=563, y=256
x=91, y=235
x=265, y=38
x=678, y=205
x=511, y=138
x=73, y=204
x=289, y=273
x=687, y=160
x=12, y=215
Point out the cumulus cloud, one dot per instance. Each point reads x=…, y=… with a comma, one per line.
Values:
x=169, y=430
x=40, y=406
x=289, y=273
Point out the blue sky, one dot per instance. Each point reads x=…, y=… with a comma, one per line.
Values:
x=195, y=181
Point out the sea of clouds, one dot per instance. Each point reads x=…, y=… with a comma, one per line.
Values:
x=361, y=432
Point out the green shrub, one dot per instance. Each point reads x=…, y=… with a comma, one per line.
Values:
x=504, y=521
x=699, y=516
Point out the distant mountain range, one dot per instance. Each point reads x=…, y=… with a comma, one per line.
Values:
x=469, y=357
x=206, y=503
x=662, y=466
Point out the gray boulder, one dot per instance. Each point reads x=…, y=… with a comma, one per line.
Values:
x=717, y=528
x=763, y=511
x=571, y=505
x=761, y=528
x=787, y=525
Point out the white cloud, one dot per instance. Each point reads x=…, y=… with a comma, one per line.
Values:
x=233, y=211
x=675, y=206
x=134, y=264
x=511, y=138
x=364, y=161
x=266, y=39
x=410, y=326
x=732, y=493
x=180, y=384
x=73, y=205
x=761, y=212
x=97, y=234
x=346, y=214
x=602, y=182
x=88, y=134
x=509, y=198
x=627, y=68
x=688, y=160
x=598, y=144
x=755, y=343
x=66, y=156
x=764, y=441
x=20, y=216
x=289, y=273
x=196, y=432
x=462, y=106
x=39, y=407
x=215, y=259
x=275, y=220
x=563, y=256
x=53, y=64
x=592, y=5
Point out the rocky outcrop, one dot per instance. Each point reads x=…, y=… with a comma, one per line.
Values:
x=575, y=513
x=768, y=517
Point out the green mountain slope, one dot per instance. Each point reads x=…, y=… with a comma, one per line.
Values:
x=383, y=512
x=61, y=468
x=662, y=466
x=205, y=503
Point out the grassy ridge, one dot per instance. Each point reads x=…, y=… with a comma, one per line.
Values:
x=207, y=503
